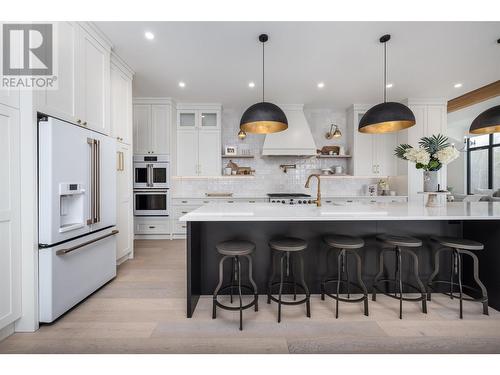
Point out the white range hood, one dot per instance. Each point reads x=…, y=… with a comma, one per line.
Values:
x=297, y=140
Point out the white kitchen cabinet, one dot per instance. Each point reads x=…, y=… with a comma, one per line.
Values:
x=187, y=153
x=372, y=154
x=152, y=124
x=198, y=140
x=61, y=103
x=121, y=102
x=10, y=216
x=93, y=98
x=124, y=203
x=83, y=78
x=142, y=128
x=151, y=225
x=160, y=125
x=209, y=153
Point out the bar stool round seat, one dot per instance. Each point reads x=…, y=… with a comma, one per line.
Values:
x=235, y=250
x=400, y=245
x=459, y=243
x=343, y=242
x=235, y=247
x=397, y=240
x=288, y=250
x=459, y=247
x=288, y=244
x=345, y=245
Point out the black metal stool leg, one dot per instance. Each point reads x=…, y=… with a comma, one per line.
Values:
x=346, y=270
x=328, y=256
x=484, y=292
x=458, y=260
x=360, y=280
x=239, y=292
x=453, y=273
x=421, y=286
x=233, y=271
x=291, y=273
x=435, y=272
x=379, y=274
x=304, y=285
x=219, y=285
x=273, y=275
x=339, y=277
x=281, y=287
x=252, y=282
x=400, y=282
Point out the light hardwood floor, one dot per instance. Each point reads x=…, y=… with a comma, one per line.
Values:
x=143, y=311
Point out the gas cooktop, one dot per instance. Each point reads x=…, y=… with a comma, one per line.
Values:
x=289, y=198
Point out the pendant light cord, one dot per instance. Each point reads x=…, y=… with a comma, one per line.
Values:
x=263, y=68
x=385, y=72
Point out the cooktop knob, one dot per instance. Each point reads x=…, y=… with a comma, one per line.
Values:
x=282, y=201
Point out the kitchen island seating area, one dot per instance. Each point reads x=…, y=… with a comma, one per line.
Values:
x=287, y=253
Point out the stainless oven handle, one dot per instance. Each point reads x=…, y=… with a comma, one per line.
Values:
x=90, y=141
x=70, y=249
x=148, y=178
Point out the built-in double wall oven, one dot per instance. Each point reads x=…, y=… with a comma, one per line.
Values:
x=151, y=185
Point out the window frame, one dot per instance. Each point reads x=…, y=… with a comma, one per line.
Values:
x=490, y=147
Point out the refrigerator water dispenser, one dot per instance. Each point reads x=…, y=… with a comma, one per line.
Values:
x=71, y=207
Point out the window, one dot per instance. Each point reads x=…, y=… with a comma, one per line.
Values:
x=483, y=163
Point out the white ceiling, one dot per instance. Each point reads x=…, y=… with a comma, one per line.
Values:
x=216, y=60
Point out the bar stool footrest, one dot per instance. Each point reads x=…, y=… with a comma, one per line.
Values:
x=415, y=299
x=457, y=296
x=235, y=308
x=272, y=298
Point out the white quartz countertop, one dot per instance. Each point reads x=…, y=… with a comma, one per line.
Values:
x=343, y=212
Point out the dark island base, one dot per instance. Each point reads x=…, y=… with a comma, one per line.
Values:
x=202, y=257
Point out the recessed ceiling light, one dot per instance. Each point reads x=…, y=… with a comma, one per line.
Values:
x=457, y=85
x=182, y=84
x=321, y=85
x=251, y=85
x=149, y=35
x=389, y=85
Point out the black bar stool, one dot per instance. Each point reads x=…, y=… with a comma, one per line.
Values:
x=288, y=248
x=458, y=247
x=400, y=245
x=235, y=249
x=346, y=244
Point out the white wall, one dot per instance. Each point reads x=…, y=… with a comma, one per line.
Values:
x=458, y=128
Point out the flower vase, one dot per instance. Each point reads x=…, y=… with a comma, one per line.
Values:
x=431, y=179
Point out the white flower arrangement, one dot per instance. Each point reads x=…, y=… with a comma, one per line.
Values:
x=433, y=152
x=447, y=155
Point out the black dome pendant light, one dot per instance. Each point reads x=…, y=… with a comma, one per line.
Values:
x=386, y=117
x=263, y=117
x=488, y=121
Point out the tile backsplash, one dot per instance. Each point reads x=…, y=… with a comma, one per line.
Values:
x=269, y=178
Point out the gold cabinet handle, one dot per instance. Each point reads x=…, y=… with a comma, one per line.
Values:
x=85, y=123
x=79, y=121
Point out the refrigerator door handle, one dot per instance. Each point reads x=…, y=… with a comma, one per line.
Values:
x=73, y=248
x=97, y=217
x=91, y=142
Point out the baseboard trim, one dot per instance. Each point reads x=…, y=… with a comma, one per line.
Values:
x=7, y=331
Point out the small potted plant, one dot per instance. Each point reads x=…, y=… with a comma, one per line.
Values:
x=431, y=154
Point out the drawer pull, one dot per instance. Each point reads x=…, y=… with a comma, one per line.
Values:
x=151, y=227
x=251, y=201
x=206, y=201
x=230, y=201
x=184, y=201
x=183, y=226
x=183, y=212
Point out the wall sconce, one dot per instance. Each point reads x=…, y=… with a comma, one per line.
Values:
x=333, y=133
x=242, y=134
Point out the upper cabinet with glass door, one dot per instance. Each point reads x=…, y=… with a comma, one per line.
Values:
x=203, y=118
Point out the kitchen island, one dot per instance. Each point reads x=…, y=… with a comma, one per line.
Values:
x=258, y=223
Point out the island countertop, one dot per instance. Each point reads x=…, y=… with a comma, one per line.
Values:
x=343, y=212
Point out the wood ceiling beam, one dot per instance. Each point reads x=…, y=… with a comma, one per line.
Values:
x=473, y=97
